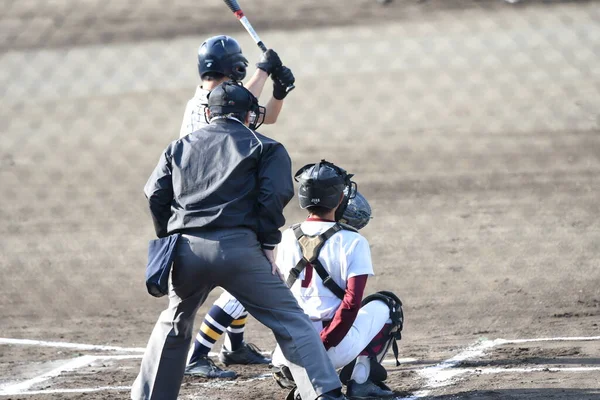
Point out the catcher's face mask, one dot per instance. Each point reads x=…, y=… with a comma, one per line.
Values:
x=256, y=117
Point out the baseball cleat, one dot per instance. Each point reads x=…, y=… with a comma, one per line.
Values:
x=295, y=395
x=206, y=368
x=368, y=390
x=246, y=354
x=283, y=377
x=330, y=396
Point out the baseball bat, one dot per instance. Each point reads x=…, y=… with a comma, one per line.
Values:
x=237, y=11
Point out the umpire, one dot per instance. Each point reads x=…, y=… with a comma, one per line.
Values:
x=224, y=187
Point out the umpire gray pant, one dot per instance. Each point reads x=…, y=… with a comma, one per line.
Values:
x=232, y=259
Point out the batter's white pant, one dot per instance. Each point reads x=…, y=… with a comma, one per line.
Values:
x=230, y=305
x=370, y=320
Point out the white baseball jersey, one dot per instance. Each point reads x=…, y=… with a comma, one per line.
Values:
x=193, y=117
x=344, y=255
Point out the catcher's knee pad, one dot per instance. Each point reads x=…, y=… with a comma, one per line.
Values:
x=392, y=331
x=377, y=372
x=230, y=305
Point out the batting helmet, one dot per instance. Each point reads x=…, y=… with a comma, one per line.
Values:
x=322, y=185
x=233, y=98
x=222, y=55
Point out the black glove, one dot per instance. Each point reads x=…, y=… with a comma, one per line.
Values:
x=282, y=79
x=269, y=61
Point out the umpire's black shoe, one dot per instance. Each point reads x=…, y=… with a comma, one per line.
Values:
x=368, y=390
x=206, y=368
x=328, y=396
x=295, y=395
x=246, y=354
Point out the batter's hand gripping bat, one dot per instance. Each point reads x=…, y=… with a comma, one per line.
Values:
x=237, y=11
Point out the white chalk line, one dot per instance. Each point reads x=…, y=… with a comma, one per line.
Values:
x=77, y=390
x=436, y=375
x=74, y=346
x=82, y=361
x=487, y=371
x=83, y=346
x=14, y=389
x=444, y=373
x=558, y=339
x=392, y=361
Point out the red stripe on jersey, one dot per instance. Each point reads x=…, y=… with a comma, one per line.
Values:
x=308, y=274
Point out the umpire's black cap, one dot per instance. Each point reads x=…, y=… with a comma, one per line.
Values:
x=231, y=97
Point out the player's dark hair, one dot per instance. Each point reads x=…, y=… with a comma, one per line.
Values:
x=213, y=76
x=319, y=211
x=239, y=116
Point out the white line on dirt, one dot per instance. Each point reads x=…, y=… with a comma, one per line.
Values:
x=18, y=388
x=78, y=390
x=21, y=387
x=441, y=374
x=438, y=375
x=557, y=339
x=444, y=373
x=83, y=346
x=76, y=346
x=533, y=369
x=456, y=372
x=406, y=360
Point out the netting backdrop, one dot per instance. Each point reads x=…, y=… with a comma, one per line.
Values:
x=413, y=97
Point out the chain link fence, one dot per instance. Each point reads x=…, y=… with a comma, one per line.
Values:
x=423, y=97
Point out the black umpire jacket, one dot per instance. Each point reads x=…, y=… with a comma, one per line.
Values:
x=224, y=175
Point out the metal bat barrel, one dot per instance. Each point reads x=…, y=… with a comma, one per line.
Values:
x=233, y=5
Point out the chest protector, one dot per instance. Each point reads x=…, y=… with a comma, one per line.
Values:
x=311, y=248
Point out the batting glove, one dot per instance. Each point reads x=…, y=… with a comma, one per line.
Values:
x=269, y=61
x=282, y=79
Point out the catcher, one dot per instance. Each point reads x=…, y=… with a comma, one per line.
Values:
x=326, y=263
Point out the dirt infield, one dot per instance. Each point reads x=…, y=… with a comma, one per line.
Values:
x=478, y=146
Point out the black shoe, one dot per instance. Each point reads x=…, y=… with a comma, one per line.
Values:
x=206, y=368
x=295, y=395
x=329, y=396
x=368, y=390
x=283, y=377
x=246, y=354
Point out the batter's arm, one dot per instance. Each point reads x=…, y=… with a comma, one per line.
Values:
x=255, y=85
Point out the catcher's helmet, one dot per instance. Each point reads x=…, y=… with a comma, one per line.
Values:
x=357, y=213
x=222, y=54
x=233, y=98
x=322, y=185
